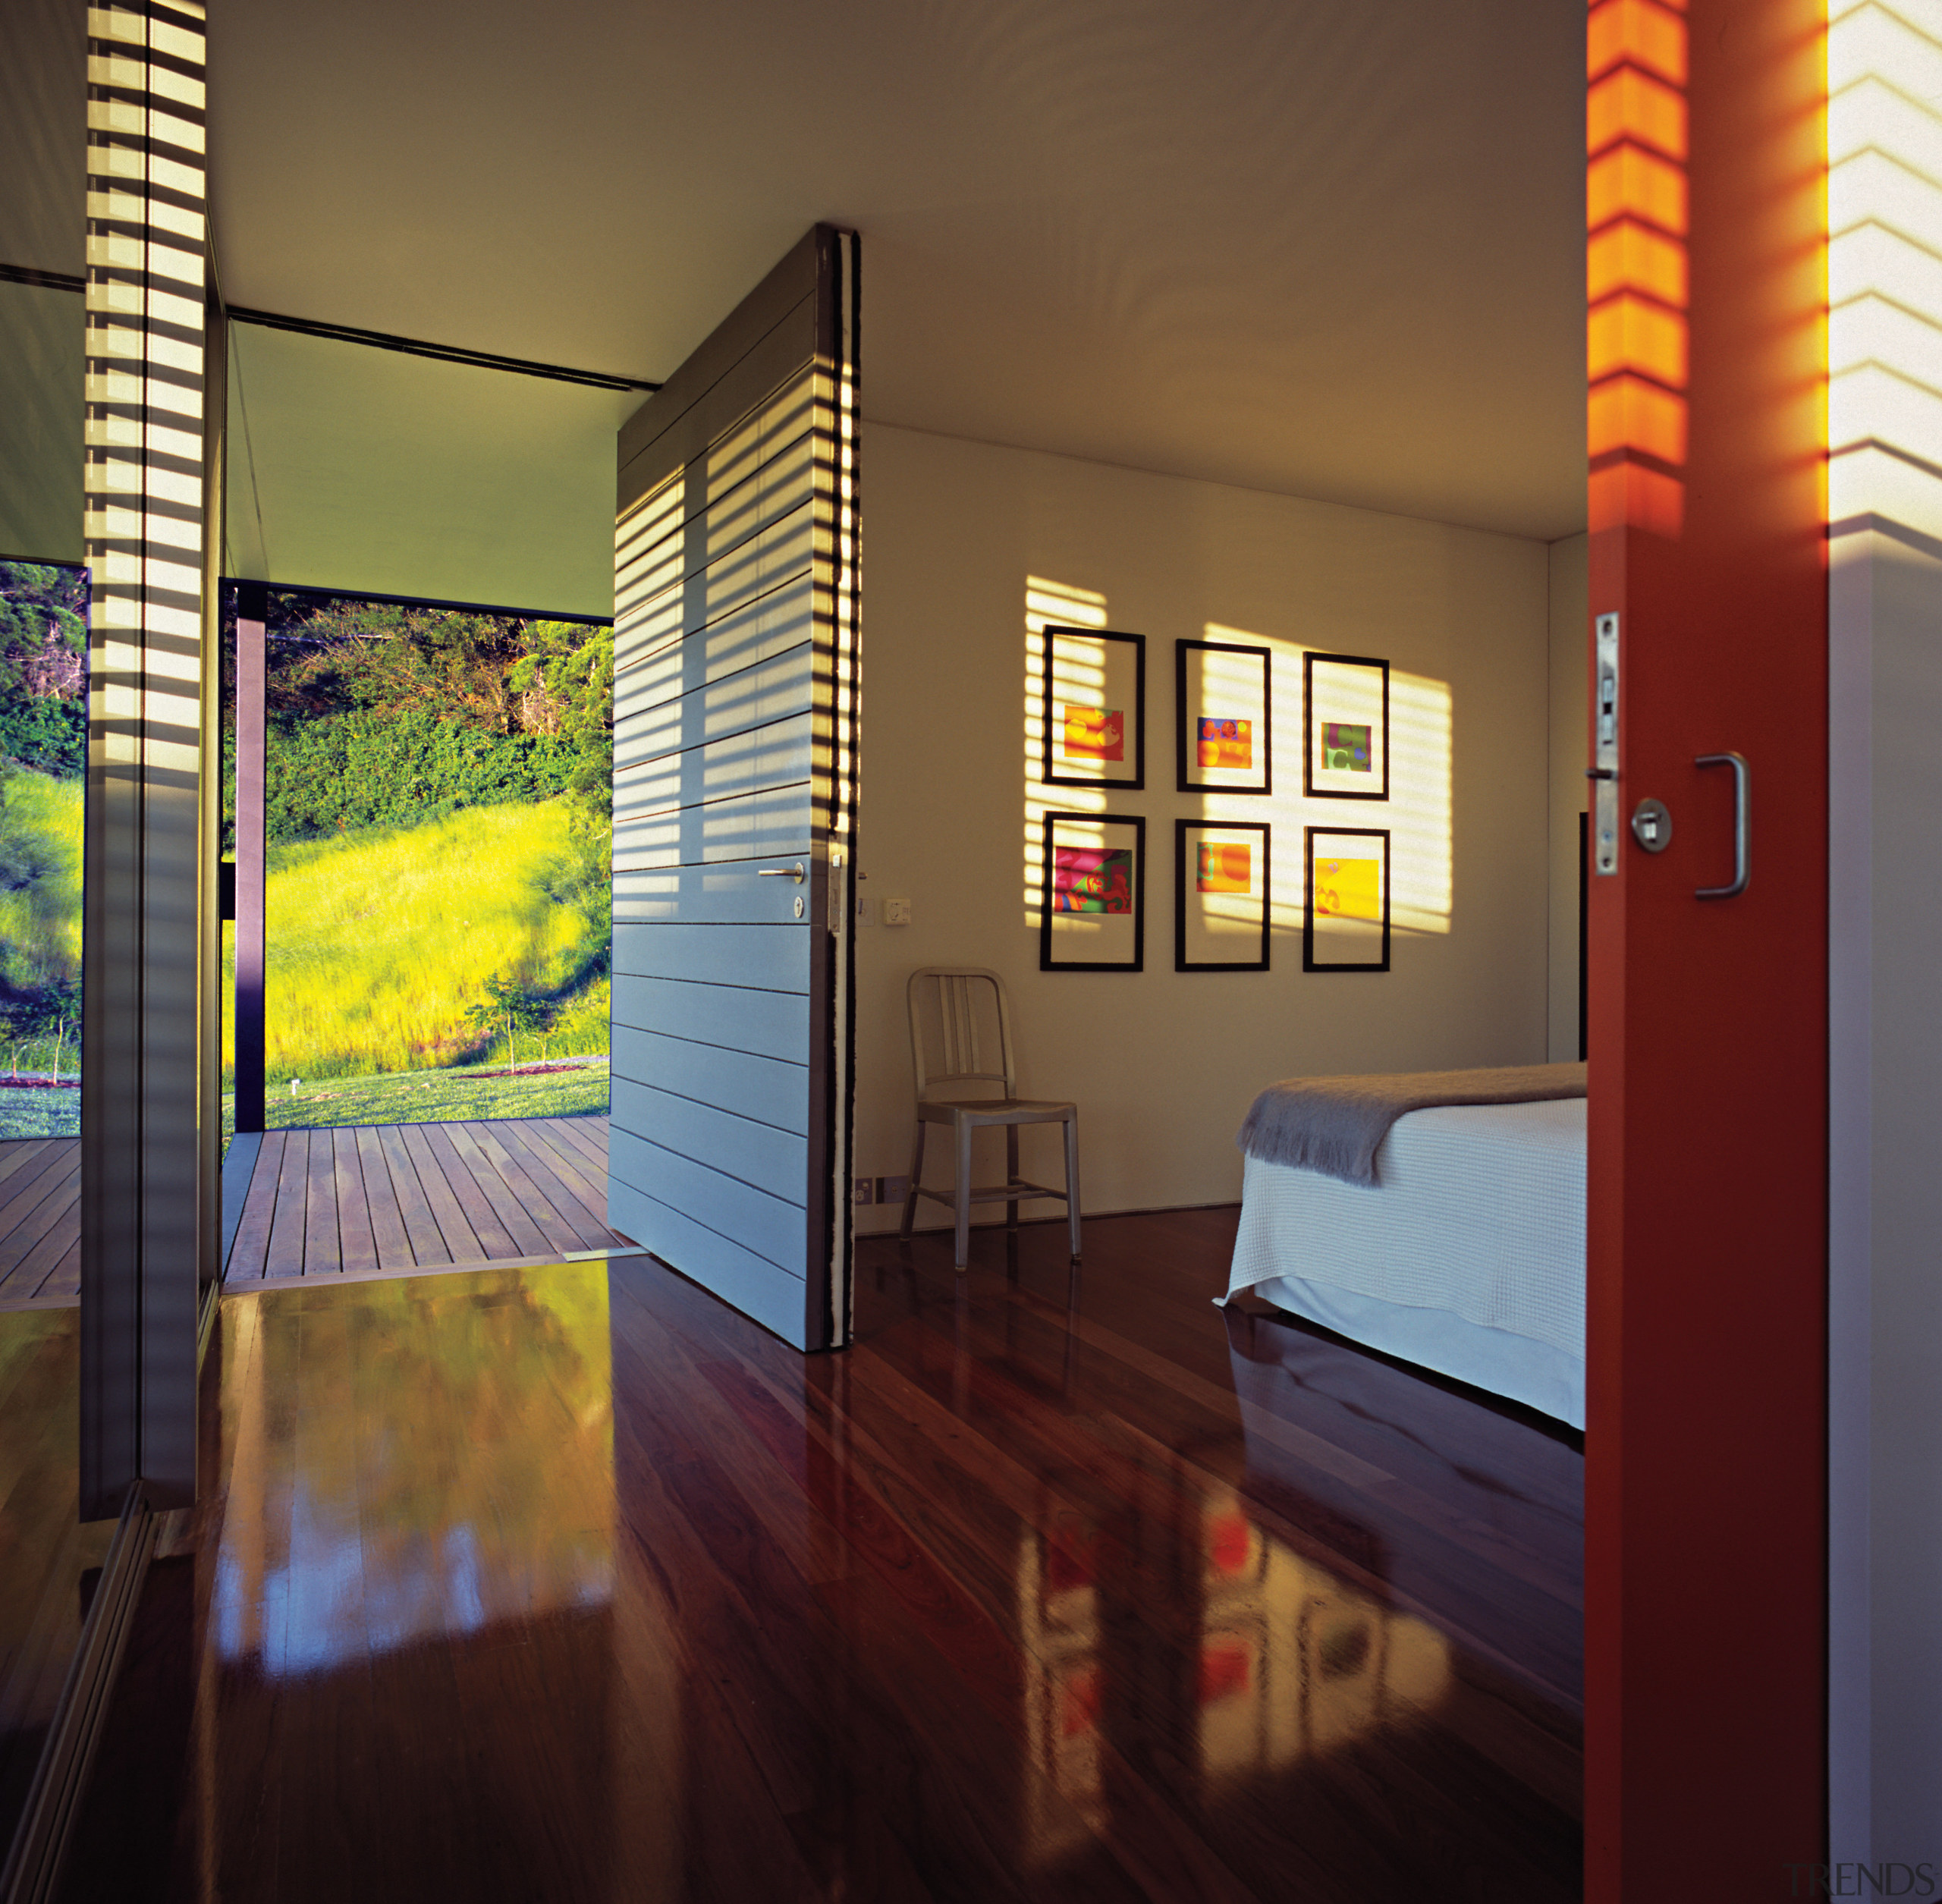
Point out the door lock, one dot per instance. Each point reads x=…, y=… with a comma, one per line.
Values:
x=1651, y=825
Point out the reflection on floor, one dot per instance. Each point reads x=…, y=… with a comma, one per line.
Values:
x=40, y=1222
x=379, y=1199
x=46, y=1556
x=571, y=1583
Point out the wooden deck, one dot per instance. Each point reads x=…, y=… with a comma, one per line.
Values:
x=40, y=1223
x=369, y=1200
x=404, y=1199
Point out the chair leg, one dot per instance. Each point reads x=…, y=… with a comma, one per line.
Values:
x=916, y=1171
x=1071, y=1182
x=961, y=1193
x=1010, y=1175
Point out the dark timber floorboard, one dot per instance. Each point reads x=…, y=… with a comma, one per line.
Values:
x=571, y=1583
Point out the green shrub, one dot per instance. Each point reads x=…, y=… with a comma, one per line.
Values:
x=357, y=770
x=49, y=734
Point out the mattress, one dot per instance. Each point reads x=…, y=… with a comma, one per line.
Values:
x=1468, y=1257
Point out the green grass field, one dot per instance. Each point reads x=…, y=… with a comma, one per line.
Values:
x=427, y=1098
x=380, y=943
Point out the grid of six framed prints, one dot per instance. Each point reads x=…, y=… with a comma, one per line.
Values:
x=1092, y=914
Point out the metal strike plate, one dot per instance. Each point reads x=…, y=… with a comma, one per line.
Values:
x=1604, y=747
x=1651, y=825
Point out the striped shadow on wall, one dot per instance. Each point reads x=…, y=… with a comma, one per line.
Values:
x=734, y=791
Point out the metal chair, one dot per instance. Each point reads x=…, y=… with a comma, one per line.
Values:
x=958, y=990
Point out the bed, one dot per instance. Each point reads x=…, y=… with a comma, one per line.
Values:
x=1465, y=1255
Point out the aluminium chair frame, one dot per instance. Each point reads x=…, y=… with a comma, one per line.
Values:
x=965, y=1115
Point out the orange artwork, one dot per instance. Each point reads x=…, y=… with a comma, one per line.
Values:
x=1095, y=733
x=1224, y=868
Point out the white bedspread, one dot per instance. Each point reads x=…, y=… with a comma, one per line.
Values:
x=1479, y=1213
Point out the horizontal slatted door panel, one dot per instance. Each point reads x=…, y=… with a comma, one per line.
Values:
x=717, y=706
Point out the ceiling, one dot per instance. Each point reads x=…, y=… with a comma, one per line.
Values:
x=1329, y=247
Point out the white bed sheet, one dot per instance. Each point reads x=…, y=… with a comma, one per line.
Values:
x=1468, y=1257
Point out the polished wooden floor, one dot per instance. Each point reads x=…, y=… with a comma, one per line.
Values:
x=571, y=1583
x=40, y=1222
x=382, y=1199
x=47, y=1556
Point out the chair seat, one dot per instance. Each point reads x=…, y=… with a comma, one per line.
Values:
x=995, y=1110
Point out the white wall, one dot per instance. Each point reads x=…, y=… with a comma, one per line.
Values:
x=1885, y=927
x=1163, y=1064
x=1570, y=688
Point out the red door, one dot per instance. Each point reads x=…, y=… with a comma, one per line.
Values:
x=1706, y=1440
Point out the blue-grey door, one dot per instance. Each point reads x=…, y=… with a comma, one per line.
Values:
x=734, y=794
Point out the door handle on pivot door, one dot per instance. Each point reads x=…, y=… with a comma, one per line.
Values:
x=1742, y=824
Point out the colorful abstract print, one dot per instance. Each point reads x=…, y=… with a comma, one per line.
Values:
x=1224, y=868
x=1345, y=744
x=1095, y=733
x=1226, y=743
x=1092, y=879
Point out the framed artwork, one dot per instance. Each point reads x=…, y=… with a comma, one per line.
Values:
x=1096, y=709
x=1345, y=728
x=1093, y=915
x=1220, y=896
x=1345, y=926
x=1223, y=704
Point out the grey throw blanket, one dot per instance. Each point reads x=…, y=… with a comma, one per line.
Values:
x=1337, y=1125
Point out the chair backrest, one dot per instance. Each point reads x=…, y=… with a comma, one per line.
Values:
x=967, y=998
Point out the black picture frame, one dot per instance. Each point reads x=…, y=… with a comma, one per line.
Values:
x=1186, y=880
x=1310, y=962
x=1190, y=775
x=1314, y=775
x=1049, y=766
x=1048, y=935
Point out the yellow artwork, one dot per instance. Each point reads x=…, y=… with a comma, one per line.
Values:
x=1349, y=889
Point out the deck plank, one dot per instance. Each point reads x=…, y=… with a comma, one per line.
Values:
x=249, y=1252
x=382, y=1200
x=27, y=1188
x=64, y=1280
x=463, y=1242
x=16, y=1153
x=285, y=1256
x=503, y=1228
x=357, y=1244
x=576, y=1177
x=59, y=1221
x=390, y=1236
x=32, y=1219
x=565, y=1189
x=588, y=1135
x=532, y=1196
x=429, y=1237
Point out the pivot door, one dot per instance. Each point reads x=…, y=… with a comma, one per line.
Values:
x=734, y=797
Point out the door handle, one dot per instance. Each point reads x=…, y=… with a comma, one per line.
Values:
x=1742, y=824
x=794, y=872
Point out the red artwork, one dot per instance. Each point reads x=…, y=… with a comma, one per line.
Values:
x=1092, y=879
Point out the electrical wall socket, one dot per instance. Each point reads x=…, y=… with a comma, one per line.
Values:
x=897, y=912
x=863, y=1189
